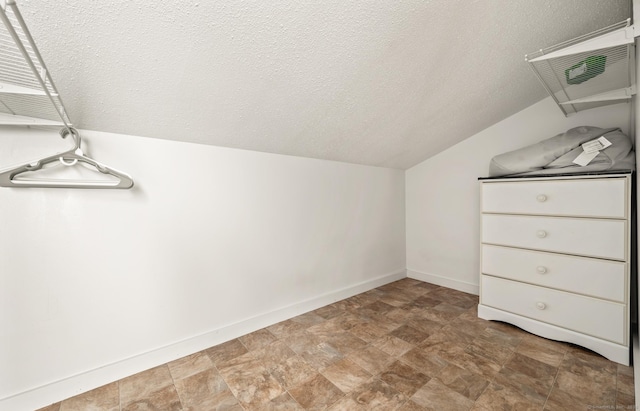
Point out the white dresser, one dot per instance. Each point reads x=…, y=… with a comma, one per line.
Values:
x=556, y=256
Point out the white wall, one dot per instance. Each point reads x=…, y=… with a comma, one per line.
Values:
x=443, y=192
x=210, y=244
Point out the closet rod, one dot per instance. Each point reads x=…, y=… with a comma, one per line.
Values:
x=41, y=75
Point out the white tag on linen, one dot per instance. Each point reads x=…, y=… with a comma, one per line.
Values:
x=585, y=158
x=596, y=145
x=591, y=150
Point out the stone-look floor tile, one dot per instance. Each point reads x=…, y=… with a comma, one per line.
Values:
x=625, y=401
x=410, y=334
x=145, y=384
x=285, y=328
x=105, y=398
x=387, y=288
x=470, y=327
x=292, y=371
x=329, y=327
x=498, y=397
x=462, y=381
x=492, y=351
x=345, y=342
x=403, y=378
x=283, y=402
x=164, y=399
x=393, y=346
x=206, y=391
x=379, y=307
x=374, y=293
x=257, y=339
x=477, y=364
x=364, y=299
x=316, y=394
x=625, y=382
x=190, y=365
x=562, y=401
x=423, y=324
x=508, y=329
x=443, y=347
x=536, y=390
x=428, y=286
x=599, y=391
x=381, y=320
x=400, y=315
x=448, y=356
x=395, y=299
x=252, y=384
x=371, y=359
x=249, y=360
x=533, y=368
x=411, y=406
x=427, y=363
x=449, y=336
x=275, y=353
x=437, y=396
x=464, y=302
x=377, y=395
x=327, y=312
x=226, y=351
x=368, y=332
x=587, y=363
x=349, y=320
x=308, y=319
x=425, y=301
x=302, y=341
x=625, y=370
x=541, y=350
x=346, y=375
x=541, y=342
x=347, y=403
x=321, y=356
x=444, y=313
x=346, y=305
x=502, y=338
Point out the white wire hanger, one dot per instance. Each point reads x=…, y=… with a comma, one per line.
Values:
x=68, y=158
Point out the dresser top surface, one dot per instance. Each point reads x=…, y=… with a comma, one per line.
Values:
x=606, y=173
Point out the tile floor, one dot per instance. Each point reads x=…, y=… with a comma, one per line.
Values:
x=405, y=346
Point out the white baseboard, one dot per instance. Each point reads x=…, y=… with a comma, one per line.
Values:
x=59, y=390
x=444, y=282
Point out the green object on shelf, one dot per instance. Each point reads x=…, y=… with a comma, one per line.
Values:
x=586, y=69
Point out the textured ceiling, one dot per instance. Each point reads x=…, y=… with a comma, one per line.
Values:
x=386, y=83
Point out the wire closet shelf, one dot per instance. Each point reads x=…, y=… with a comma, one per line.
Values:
x=589, y=71
x=28, y=95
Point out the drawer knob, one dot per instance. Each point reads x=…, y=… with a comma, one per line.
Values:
x=541, y=269
x=541, y=198
x=541, y=234
x=541, y=306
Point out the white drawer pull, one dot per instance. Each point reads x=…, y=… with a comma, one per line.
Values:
x=541, y=234
x=541, y=306
x=541, y=269
x=541, y=198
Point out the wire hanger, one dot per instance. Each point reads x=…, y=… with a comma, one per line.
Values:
x=68, y=158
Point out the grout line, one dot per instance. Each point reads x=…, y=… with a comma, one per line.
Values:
x=554, y=380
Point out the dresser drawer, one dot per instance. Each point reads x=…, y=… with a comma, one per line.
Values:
x=598, y=318
x=582, y=236
x=582, y=275
x=582, y=198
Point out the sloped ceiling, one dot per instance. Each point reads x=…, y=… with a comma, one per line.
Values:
x=386, y=83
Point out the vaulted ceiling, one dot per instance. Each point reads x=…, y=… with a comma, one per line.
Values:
x=386, y=83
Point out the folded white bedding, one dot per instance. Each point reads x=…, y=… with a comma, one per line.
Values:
x=555, y=155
